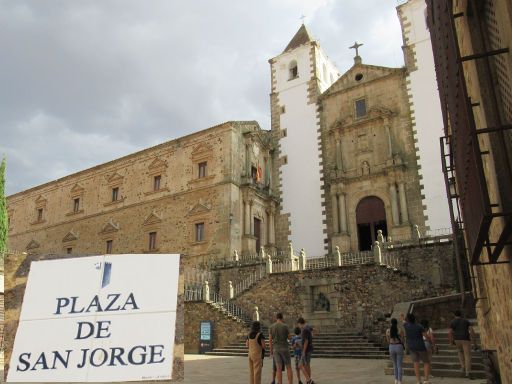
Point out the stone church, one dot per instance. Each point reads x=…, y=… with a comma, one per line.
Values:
x=337, y=169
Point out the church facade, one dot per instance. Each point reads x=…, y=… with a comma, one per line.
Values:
x=338, y=166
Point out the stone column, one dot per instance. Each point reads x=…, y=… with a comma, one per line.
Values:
x=342, y=213
x=206, y=292
x=390, y=146
x=271, y=227
x=302, y=260
x=334, y=201
x=251, y=220
x=247, y=218
x=339, y=157
x=248, y=161
x=403, y=203
x=394, y=204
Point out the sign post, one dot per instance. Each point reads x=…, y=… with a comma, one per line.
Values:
x=206, y=336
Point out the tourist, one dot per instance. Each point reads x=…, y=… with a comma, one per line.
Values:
x=279, y=348
x=460, y=333
x=274, y=370
x=414, y=334
x=395, y=336
x=297, y=350
x=256, y=344
x=429, y=340
x=307, y=349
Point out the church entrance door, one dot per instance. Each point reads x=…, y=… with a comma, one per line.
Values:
x=370, y=217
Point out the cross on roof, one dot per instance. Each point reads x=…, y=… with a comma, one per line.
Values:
x=356, y=47
x=302, y=18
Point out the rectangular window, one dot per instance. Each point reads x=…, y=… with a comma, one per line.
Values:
x=202, y=169
x=152, y=241
x=39, y=214
x=115, y=193
x=156, y=182
x=109, y=246
x=199, y=231
x=360, y=107
x=76, y=205
x=69, y=250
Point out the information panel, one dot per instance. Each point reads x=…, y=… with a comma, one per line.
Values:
x=97, y=319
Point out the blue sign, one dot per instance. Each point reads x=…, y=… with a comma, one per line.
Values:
x=206, y=330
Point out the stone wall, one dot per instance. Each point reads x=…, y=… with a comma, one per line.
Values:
x=354, y=293
x=225, y=330
x=439, y=311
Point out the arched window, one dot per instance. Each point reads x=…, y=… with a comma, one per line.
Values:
x=293, y=71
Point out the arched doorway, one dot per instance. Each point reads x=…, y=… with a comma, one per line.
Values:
x=370, y=217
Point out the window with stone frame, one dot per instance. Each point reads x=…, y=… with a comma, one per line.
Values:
x=115, y=194
x=360, y=107
x=152, y=241
x=109, y=246
x=39, y=213
x=157, y=182
x=293, y=71
x=76, y=204
x=199, y=233
x=202, y=169
x=69, y=250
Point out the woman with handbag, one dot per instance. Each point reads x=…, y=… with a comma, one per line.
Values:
x=395, y=338
x=256, y=344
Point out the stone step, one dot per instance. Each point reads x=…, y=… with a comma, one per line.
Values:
x=440, y=373
x=339, y=355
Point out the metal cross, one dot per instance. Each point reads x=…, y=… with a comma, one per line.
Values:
x=356, y=47
x=302, y=18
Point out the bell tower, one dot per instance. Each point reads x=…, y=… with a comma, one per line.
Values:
x=299, y=75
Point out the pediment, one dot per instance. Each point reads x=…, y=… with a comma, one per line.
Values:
x=32, y=245
x=110, y=227
x=202, y=150
x=70, y=236
x=115, y=178
x=157, y=164
x=152, y=218
x=198, y=208
x=368, y=72
x=77, y=190
x=41, y=201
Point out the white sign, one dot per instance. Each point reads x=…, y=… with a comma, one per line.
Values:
x=97, y=319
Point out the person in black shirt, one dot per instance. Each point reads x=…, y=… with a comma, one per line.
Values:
x=307, y=349
x=460, y=334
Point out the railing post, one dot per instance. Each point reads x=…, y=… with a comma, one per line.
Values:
x=338, y=256
x=416, y=233
x=235, y=256
x=377, y=254
x=380, y=236
x=256, y=316
x=231, y=290
x=302, y=260
x=269, y=265
x=206, y=291
x=262, y=251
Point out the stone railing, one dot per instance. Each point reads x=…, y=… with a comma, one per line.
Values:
x=430, y=236
x=217, y=302
x=246, y=283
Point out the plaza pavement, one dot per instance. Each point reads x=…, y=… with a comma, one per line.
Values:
x=202, y=369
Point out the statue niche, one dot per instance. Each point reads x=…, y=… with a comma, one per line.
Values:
x=321, y=303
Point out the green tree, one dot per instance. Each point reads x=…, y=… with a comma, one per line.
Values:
x=3, y=210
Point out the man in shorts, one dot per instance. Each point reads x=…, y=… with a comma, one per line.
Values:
x=307, y=349
x=414, y=335
x=280, y=349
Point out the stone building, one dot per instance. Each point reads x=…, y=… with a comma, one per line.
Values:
x=346, y=143
x=204, y=195
x=370, y=167
x=473, y=57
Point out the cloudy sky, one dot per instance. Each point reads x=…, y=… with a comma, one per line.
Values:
x=84, y=82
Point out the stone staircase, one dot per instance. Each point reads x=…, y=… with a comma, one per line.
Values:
x=446, y=363
x=338, y=345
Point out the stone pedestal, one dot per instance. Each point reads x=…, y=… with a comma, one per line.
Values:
x=341, y=240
